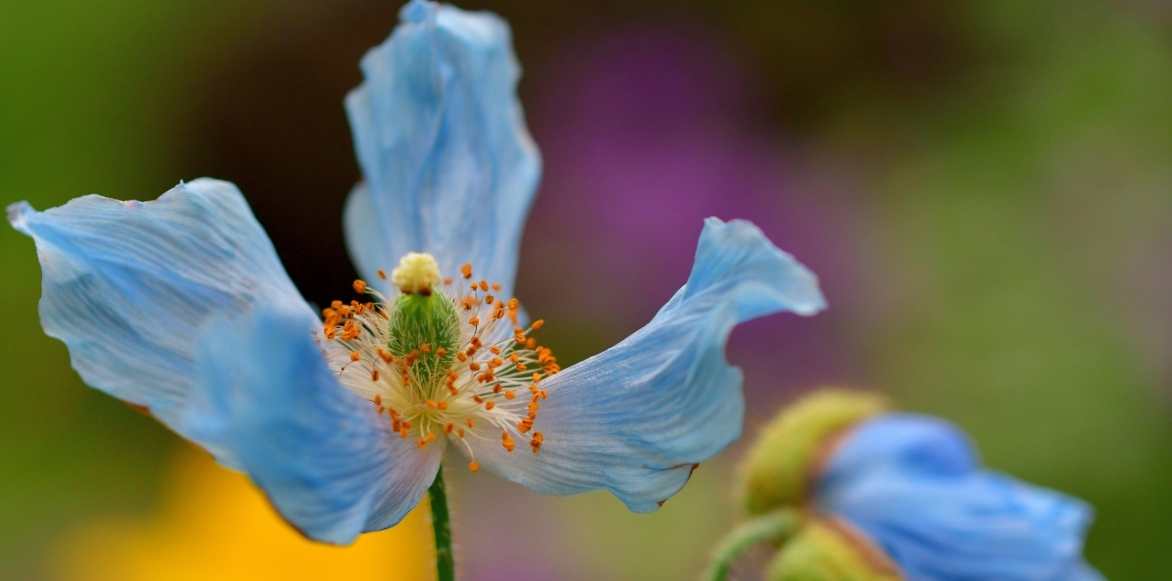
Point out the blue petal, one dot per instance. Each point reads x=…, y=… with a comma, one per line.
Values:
x=128, y=286
x=450, y=168
x=328, y=462
x=912, y=484
x=637, y=418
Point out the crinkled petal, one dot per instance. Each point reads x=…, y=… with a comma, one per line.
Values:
x=128, y=286
x=328, y=462
x=924, y=500
x=637, y=418
x=449, y=166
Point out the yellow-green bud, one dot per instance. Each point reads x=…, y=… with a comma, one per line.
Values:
x=828, y=551
x=778, y=468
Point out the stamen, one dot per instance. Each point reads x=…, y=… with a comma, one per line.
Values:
x=458, y=386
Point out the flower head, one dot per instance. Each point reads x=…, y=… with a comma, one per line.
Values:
x=893, y=495
x=341, y=415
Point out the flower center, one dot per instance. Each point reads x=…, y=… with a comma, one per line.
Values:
x=445, y=358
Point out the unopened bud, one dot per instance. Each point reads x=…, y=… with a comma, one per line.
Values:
x=780, y=465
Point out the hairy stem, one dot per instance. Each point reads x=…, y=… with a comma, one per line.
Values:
x=774, y=527
x=441, y=523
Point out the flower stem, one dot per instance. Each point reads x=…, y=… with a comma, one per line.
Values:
x=441, y=523
x=773, y=527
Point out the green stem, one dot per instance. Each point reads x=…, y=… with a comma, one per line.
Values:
x=773, y=527
x=441, y=523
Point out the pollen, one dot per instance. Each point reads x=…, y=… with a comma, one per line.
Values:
x=486, y=377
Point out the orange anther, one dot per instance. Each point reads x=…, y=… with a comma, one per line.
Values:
x=425, y=348
x=378, y=400
x=360, y=286
x=489, y=299
x=483, y=285
x=474, y=321
x=448, y=428
x=496, y=286
x=374, y=375
x=382, y=274
x=510, y=394
x=443, y=405
x=354, y=356
x=440, y=352
x=488, y=405
x=447, y=281
x=539, y=323
x=466, y=270
x=474, y=466
x=507, y=441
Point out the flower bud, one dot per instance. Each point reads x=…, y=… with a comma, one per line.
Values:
x=781, y=463
x=830, y=551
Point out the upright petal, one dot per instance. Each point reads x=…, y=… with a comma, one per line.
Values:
x=913, y=486
x=128, y=286
x=637, y=418
x=329, y=463
x=450, y=168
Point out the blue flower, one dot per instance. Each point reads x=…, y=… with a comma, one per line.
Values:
x=181, y=305
x=910, y=490
x=914, y=485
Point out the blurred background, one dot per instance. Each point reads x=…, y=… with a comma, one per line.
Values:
x=984, y=188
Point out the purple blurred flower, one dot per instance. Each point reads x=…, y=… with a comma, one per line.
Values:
x=645, y=133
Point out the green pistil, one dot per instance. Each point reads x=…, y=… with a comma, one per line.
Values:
x=427, y=326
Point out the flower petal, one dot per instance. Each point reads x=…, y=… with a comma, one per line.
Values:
x=924, y=500
x=450, y=168
x=329, y=463
x=127, y=286
x=637, y=418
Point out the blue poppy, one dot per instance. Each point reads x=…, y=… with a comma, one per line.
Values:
x=914, y=487
x=180, y=305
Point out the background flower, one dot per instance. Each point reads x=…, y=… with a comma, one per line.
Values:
x=212, y=523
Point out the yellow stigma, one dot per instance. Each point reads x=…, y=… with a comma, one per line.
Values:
x=417, y=273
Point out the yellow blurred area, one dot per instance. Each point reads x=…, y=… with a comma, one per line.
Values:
x=214, y=524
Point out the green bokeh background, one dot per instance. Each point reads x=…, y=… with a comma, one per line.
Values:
x=1014, y=223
